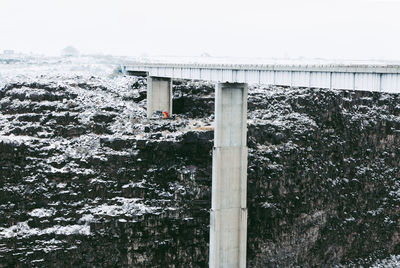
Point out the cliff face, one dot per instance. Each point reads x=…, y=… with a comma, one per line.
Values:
x=323, y=178
x=87, y=180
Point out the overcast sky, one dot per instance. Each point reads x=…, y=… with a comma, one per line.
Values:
x=337, y=29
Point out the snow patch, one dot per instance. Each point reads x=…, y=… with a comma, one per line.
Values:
x=22, y=229
x=124, y=206
x=42, y=212
x=392, y=261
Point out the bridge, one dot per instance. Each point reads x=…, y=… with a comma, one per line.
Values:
x=228, y=215
x=383, y=78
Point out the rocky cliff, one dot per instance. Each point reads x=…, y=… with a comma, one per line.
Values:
x=87, y=181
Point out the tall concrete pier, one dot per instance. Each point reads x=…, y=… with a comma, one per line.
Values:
x=159, y=95
x=228, y=226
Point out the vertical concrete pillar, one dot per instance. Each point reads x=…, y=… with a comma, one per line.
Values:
x=159, y=95
x=228, y=225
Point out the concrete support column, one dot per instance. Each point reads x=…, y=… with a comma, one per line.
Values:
x=228, y=226
x=159, y=95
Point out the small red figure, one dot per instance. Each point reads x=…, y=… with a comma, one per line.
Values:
x=165, y=114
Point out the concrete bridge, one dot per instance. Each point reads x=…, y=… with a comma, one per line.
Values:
x=228, y=219
x=384, y=78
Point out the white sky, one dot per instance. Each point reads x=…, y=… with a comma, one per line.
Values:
x=341, y=29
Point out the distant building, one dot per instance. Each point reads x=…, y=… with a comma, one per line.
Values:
x=8, y=52
x=70, y=51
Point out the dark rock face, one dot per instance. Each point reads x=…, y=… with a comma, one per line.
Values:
x=91, y=182
x=323, y=179
x=87, y=180
x=195, y=101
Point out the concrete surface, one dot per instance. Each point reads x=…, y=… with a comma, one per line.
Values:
x=228, y=224
x=159, y=95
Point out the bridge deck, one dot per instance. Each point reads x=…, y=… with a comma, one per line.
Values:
x=385, y=78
